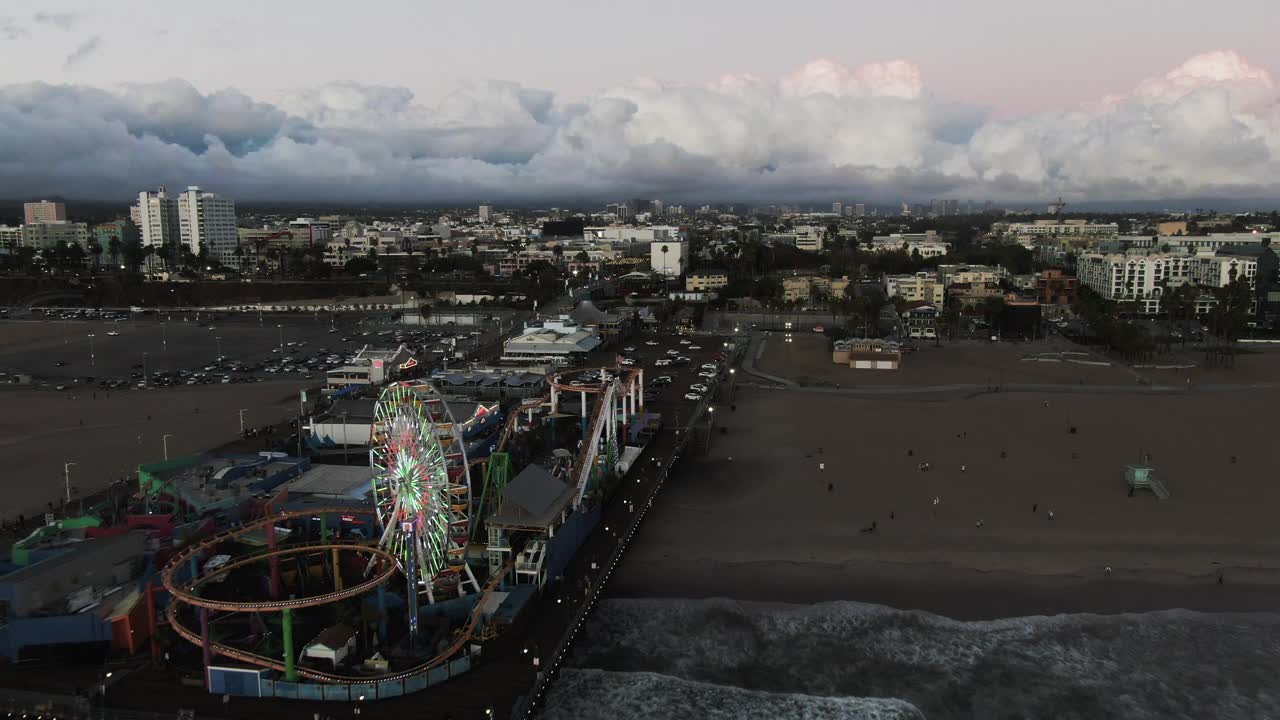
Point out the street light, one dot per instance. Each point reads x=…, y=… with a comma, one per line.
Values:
x=218, y=342
x=66, y=475
x=280, y=329
x=145, y=378
x=165, y=440
x=91, y=362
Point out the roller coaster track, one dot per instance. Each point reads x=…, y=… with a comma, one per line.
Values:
x=182, y=596
x=187, y=595
x=460, y=641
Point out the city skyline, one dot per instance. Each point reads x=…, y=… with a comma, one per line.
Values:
x=83, y=115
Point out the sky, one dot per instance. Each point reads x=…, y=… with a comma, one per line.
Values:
x=688, y=101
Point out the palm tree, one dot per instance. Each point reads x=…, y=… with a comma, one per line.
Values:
x=95, y=249
x=113, y=247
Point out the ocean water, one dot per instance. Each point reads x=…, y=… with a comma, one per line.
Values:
x=658, y=658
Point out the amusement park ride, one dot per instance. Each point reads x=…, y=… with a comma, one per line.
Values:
x=426, y=517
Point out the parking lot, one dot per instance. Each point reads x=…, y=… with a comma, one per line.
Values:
x=676, y=397
x=64, y=349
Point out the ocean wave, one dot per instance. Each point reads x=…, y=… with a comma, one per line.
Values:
x=603, y=695
x=1171, y=664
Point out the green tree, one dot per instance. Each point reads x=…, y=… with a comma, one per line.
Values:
x=113, y=248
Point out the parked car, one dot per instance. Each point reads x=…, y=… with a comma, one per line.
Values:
x=692, y=396
x=698, y=387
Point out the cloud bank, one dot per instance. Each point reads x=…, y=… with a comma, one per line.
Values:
x=1208, y=128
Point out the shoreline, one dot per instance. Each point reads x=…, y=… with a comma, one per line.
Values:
x=949, y=592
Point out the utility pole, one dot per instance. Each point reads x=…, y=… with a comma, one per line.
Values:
x=66, y=476
x=165, y=440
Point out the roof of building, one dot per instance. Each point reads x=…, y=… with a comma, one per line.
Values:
x=334, y=637
x=587, y=313
x=114, y=546
x=533, y=498
x=540, y=340
x=1244, y=250
x=350, y=481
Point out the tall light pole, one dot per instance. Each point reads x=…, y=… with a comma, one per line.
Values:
x=91, y=359
x=218, y=342
x=146, y=382
x=242, y=412
x=280, y=329
x=165, y=440
x=66, y=476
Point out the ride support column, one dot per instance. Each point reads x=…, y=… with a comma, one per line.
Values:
x=206, y=649
x=275, y=561
x=286, y=630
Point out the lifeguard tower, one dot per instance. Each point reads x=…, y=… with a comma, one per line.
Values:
x=1143, y=477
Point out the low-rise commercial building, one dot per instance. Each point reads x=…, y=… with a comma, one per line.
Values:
x=867, y=354
x=559, y=342
x=373, y=367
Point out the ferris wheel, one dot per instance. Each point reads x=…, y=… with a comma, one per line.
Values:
x=421, y=488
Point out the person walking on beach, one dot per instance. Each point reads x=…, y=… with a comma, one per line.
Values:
x=1050, y=514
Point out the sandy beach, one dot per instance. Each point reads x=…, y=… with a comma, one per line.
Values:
x=108, y=434
x=1055, y=361
x=755, y=519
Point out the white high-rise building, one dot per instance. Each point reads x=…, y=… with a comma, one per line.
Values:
x=486, y=213
x=837, y=208
x=207, y=220
x=156, y=215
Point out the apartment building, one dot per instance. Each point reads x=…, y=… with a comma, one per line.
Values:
x=156, y=216
x=971, y=274
x=43, y=212
x=49, y=234
x=1065, y=228
x=706, y=280
x=921, y=286
x=208, y=221
x=809, y=238
x=927, y=244
x=1052, y=287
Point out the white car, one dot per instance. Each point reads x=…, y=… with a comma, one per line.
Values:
x=661, y=362
x=685, y=342
x=698, y=388
x=112, y=333
x=692, y=396
x=673, y=353
x=651, y=343
x=663, y=379
x=695, y=347
x=628, y=361
x=710, y=366
x=628, y=349
x=708, y=375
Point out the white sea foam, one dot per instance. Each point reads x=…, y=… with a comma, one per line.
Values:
x=1152, y=665
x=604, y=695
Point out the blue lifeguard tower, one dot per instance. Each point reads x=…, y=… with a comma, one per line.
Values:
x=1143, y=477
